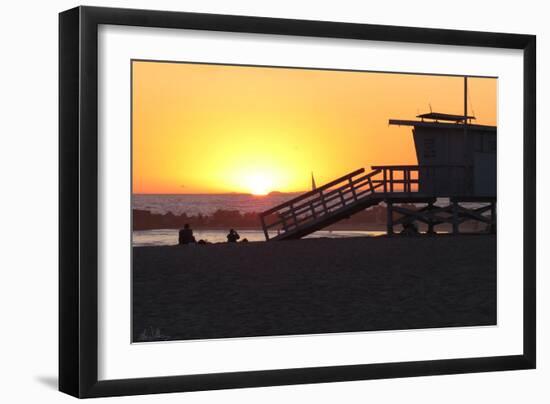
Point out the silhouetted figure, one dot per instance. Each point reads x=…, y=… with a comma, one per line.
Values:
x=233, y=236
x=409, y=228
x=186, y=235
x=244, y=240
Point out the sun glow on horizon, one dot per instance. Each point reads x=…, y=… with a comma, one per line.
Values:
x=256, y=181
x=258, y=184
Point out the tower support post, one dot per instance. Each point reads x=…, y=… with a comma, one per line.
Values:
x=389, y=220
x=455, y=217
x=431, y=221
x=493, y=225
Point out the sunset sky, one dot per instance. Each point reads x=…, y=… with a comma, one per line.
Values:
x=216, y=129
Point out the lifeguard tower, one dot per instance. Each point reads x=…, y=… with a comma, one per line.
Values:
x=454, y=182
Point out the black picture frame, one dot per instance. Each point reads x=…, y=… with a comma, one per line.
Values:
x=78, y=201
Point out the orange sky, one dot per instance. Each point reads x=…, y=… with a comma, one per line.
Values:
x=214, y=129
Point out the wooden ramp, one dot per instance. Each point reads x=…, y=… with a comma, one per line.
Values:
x=314, y=210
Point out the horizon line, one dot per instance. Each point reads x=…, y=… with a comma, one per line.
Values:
x=216, y=193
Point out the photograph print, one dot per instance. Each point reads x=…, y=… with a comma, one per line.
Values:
x=273, y=201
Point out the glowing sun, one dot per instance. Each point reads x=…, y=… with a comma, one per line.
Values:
x=259, y=184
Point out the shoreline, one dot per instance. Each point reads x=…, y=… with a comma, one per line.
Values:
x=377, y=236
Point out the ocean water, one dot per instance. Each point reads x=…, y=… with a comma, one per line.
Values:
x=208, y=204
x=205, y=204
x=164, y=237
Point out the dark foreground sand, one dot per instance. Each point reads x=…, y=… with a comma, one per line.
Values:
x=313, y=286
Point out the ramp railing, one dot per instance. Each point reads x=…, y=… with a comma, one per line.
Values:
x=321, y=202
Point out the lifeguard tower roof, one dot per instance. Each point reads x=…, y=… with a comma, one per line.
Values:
x=438, y=116
x=442, y=121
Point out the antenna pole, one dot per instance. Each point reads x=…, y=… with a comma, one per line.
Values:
x=465, y=144
x=465, y=101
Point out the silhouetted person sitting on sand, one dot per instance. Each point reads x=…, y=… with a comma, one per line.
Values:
x=233, y=236
x=186, y=235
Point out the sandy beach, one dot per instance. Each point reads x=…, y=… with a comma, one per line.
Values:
x=313, y=286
